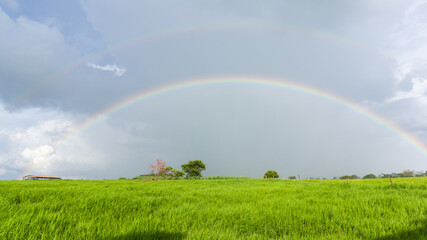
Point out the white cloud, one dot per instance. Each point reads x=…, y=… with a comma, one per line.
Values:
x=47, y=141
x=29, y=136
x=38, y=155
x=30, y=139
x=409, y=47
x=418, y=91
x=109, y=67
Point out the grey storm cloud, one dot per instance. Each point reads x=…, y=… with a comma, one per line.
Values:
x=58, y=70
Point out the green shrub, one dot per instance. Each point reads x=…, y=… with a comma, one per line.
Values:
x=271, y=174
x=369, y=176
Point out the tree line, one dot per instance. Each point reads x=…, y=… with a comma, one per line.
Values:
x=193, y=169
x=405, y=173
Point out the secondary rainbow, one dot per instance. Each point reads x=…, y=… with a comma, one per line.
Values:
x=416, y=143
x=138, y=40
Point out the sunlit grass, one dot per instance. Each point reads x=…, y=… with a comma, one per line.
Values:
x=214, y=209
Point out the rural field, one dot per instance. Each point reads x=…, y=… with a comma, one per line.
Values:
x=214, y=209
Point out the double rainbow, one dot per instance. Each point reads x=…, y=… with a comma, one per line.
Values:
x=286, y=85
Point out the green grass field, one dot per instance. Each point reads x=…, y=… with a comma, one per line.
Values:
x=214, y=209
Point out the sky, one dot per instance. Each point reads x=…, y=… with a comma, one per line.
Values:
x=69, y=70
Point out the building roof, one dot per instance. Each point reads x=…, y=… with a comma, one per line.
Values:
x=41, y=176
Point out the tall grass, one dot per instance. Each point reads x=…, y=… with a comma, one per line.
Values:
x=214, y=209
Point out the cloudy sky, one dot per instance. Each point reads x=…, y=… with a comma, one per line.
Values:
x=64, y=62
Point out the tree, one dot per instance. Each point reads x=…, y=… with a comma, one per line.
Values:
x=408, y=173
x=369, y=176
x=159, y=168
x=292, y=177
x=349, y=177
x=176, y=173
x=194, y=168
x=271, y=174
x=397, y=175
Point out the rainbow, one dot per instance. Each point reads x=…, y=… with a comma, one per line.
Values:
x=82, y=62
x=304, y=89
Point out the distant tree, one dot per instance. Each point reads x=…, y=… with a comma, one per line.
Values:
x=408, y=173
x=292, y=177
x=193, y=168
x=159, y=169
x=397, y=175
x=350, y=177
x=369, y=176
x=271, y=174
x=420, y=174
x=385, y=176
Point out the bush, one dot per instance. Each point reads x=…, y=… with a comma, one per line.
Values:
x=271, y=174
x=292, y=177
x=176, y=173
x=369, y=176
x=144, y=177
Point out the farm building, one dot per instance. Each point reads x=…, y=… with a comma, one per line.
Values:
x=38, y=177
